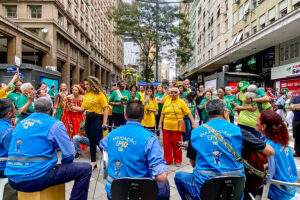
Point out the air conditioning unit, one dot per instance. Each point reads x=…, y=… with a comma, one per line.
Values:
x=246, y=12
x=52, y=68
x=225, y=68
x=245, y=18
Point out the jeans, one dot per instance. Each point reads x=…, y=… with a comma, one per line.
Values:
x=188, y=128
x=296, y=135
x=93, y=129
x=231, y=119
x=200, y=115
x=80, y=140
x=186, y=184
x=251, y=130
x=78, y=171
x=119, y=119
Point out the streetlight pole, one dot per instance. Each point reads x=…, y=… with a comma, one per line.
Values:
x=156, y=29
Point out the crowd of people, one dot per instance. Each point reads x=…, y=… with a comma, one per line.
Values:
x=34, y=123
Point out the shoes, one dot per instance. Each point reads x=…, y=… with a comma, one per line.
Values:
x=178, y=164
x=77, y=155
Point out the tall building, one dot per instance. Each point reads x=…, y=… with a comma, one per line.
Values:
x=164, y=72
x=131, y=52
x=78, y=31
x=264, y=47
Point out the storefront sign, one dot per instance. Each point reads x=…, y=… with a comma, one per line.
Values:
x=290, y=86
x=285, y=71
x=211, y=83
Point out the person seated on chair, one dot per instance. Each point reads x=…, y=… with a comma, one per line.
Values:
x=213, y=159
x=270, y=124
x=134, y=151
x=7, y=113
x=32, y=156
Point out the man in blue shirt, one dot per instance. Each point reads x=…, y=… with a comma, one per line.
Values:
x=213, y=158
x=295, y=107
x=32, y=156
x=134, y=151
x=7, y=112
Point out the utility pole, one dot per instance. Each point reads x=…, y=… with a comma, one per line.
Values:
x=156, y=42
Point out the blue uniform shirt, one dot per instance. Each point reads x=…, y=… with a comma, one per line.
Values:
x=32, y=152
x=150, y=164
x=296, y=100
x=213, y=158
x=6, y=130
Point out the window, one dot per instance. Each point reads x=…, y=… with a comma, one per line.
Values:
x=254, y=4
x=254, y=27
x=281, y=54
x=226, y=25
x=262, y=21
x=60, y=19
x=212, y=36
x=235, y=17
x=68, y=26
x=286, y=53
x=208, y=37
x=218, y=49
x=297, y=50
x=218, y=30
x=247, y=31
x=35, y=11
x=296, y=4
x=11, y=11
x=241, y=14
x=292, y=51
x=226, y=44
x=283, y=8
x=272, y=15
x=69, y=7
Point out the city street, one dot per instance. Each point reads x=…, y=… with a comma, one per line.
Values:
x=100, y=191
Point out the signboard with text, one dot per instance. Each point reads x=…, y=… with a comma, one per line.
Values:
x=285, y=71
x=290, y=86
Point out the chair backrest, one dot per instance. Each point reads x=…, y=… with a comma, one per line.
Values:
x=223, y=188
x=134, y=189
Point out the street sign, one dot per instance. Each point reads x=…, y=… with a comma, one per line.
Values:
x=17, y=61
x=21, y=75
x=11, y=70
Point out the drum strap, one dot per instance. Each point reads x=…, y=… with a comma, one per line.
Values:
x=235, y=154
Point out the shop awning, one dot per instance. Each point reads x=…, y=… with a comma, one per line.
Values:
x=242, y=74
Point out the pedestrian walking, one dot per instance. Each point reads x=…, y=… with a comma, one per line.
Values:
x=150, y=108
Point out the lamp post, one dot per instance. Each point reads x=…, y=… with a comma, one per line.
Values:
x=157, y=2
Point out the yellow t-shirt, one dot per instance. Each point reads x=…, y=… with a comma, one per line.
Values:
x=142, y=94
x=246, y=117
x=109, y=108
x=149, y=118
x=94, y=102
x=3, y=93
x=171, y=107
x=167, y=98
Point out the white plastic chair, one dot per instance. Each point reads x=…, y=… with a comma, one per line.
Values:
x=3, y=182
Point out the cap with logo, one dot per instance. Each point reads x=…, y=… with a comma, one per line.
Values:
x=242, y=85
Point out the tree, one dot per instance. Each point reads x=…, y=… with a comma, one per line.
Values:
x=138, y=21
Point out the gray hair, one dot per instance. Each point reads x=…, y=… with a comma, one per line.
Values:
x=215, y=107
x=25, y=86
x=252, y=88
x=43, y=105
x=227, y=88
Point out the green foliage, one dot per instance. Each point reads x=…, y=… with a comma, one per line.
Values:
x=138, y=21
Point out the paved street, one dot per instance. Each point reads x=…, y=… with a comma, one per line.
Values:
x=101, y=194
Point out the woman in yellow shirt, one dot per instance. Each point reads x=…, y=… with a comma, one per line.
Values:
x=95, y=105
x=150, y=108
x=174, y=109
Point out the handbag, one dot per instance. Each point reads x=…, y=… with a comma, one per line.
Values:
x=181, y=123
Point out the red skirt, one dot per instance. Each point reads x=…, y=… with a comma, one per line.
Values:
x=72, y=121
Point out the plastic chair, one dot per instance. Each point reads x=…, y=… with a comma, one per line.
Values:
x=223, y=188
x=134, y=189
x=3, y=182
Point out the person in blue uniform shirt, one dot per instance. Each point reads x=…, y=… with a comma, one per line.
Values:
x=7, y=113
x=32, y=157
x=134, y=151
x=213, y=158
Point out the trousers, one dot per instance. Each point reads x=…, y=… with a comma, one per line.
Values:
x=171, y=150
x=186, y=184
x=62, y=173
x=296, y=135
x=188, y=128
x=119, y=119
x=80, y=140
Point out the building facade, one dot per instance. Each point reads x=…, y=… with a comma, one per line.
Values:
x=79, y=33
x=131, y=52
x=264, y=36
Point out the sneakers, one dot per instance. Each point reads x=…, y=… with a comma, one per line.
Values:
x=178, y=164
x=77, y=155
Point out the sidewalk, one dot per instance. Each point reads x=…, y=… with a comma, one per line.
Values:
x=100, y=191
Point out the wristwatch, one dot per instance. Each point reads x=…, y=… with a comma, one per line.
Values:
x=294, y=107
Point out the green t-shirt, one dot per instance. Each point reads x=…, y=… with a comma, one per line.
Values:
x=115, y=98
x=246, y=117
x=203, y=112
x=158, y=98
x=138, y=96
x=14, y=96
x=183, y=95
x=191, y=105
x=230, y=100
x=52, y=93
x=20, y=103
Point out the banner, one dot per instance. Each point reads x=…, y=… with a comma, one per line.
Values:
x=290, y=86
